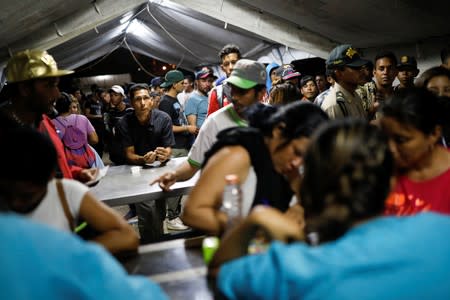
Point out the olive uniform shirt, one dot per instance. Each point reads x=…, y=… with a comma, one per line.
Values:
x=340, y=103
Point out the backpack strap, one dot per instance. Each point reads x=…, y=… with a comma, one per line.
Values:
x=219, y=94
x=59, y=121
x=56, y=119
x=64, y=204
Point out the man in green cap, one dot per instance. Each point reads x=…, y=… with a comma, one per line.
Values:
x=169, y=103
x=247, y=83
x=345, y=65
x=32, y=82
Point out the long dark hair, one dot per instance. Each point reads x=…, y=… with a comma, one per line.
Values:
x=417, y=107
x=348, y=168
x=299, y=119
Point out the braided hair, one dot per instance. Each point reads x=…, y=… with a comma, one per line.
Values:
x=347, y=177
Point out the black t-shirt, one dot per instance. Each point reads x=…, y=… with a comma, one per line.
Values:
x=95, y=108
x=145, y=138
x=170, y=105
x=114, y=115
x=271, y=187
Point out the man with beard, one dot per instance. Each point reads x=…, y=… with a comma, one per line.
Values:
x=197, y=104
x=33, y=78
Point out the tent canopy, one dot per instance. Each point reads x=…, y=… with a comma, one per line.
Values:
x=190, y=32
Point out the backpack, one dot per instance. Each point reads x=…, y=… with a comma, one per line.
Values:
x=76, y=148
x=72, y=137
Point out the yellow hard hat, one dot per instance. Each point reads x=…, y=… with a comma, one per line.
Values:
x=32, y=64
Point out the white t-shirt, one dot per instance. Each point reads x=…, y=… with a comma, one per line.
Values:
x=50, y=210
x=224, y=118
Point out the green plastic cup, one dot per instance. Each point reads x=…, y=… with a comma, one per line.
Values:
x=209, y=247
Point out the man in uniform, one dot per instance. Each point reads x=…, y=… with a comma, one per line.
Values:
x=407, y=71
x=345, y=65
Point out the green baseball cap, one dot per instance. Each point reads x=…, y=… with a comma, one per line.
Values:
x=171, y=78
x=247, y=74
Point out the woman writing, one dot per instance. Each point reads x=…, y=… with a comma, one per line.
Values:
x=266, y=158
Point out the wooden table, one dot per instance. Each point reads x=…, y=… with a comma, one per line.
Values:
x=120, y=186
x=177, y=266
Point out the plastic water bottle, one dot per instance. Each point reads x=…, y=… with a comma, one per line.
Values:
x=232, y=199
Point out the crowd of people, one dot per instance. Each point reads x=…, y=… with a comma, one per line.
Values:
x=346, y=175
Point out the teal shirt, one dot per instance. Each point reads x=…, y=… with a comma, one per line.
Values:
x=387, y=258
x=197, y=104
x=38, y=262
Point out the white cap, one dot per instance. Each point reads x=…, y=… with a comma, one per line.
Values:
x=118, y=89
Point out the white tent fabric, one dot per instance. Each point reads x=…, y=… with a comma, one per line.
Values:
x=189, y=32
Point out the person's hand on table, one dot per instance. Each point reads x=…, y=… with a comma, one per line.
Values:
x=162, y=154
x=86, y=175
x=165, y=181
x=150, y=157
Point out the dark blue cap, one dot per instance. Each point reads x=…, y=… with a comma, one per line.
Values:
x=155, y=82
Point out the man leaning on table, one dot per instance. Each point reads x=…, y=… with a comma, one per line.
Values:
x=146, y=136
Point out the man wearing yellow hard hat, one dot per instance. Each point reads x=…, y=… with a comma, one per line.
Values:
x=32, y=81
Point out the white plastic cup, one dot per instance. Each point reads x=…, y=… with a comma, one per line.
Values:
x=136, y=170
